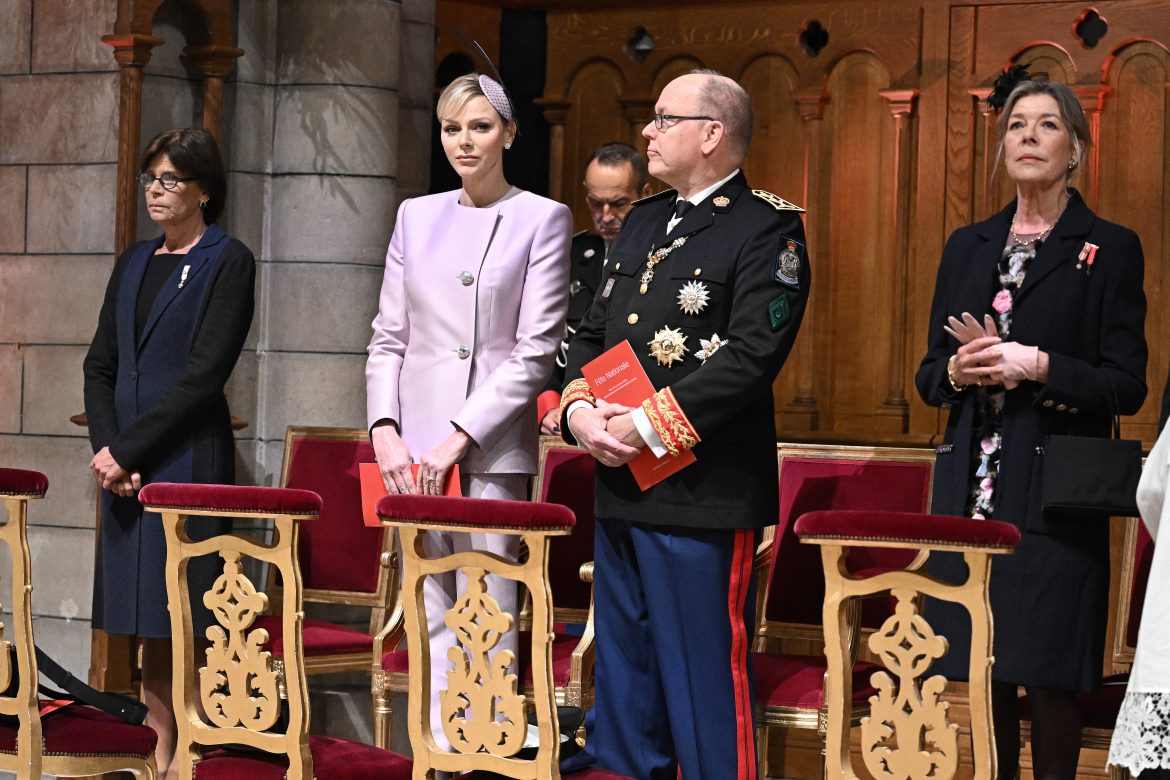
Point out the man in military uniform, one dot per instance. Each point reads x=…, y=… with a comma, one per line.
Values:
x=708, y=283
x=615, y=176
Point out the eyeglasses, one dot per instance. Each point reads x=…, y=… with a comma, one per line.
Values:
x=664, y=121
x=168, y=180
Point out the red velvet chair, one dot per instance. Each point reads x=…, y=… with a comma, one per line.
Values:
x=341, y=559
x=73, y=741
x=790, y=686
x=1099, y=710
x=906, y=732
x=565, y=477
x=251, y=718
x=484, y=707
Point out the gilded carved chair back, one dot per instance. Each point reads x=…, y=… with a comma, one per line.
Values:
x=484, y=710
x=72, y=741
x=241, y=686
x=907, y=734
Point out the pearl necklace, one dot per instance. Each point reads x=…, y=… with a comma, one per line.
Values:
x=1043, y=234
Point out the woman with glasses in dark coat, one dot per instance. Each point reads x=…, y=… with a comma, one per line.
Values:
x=176, y=313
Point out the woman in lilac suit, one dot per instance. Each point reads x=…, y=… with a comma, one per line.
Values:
x=472, y=308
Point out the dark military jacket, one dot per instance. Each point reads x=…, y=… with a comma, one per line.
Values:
x=586, y=261
x=736, y=290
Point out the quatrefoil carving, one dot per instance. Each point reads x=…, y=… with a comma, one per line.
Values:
x=907, y=736
x=481, y=708
x=239, y=685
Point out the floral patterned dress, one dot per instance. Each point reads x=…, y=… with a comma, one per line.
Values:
x=1013, y=264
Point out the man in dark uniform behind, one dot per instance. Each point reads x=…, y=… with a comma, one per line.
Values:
x=615, y=177
x=708, y=282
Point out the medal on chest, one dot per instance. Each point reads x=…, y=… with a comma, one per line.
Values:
x=654, y=258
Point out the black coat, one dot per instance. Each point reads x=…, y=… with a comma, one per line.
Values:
x=159, y=406
x=1049, y=599
x=733, y=240
x=586, y=261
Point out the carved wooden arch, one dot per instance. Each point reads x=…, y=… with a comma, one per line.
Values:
x=213, y=57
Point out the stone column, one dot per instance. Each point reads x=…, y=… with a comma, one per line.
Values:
x=58, y=163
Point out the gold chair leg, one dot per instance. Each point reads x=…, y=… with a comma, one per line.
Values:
x=383, y=712
x=762, y=750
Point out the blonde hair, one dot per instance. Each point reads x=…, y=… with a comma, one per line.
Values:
x=456, y=95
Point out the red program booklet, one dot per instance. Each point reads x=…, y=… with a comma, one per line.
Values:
x=373, y=488
x=617, y=377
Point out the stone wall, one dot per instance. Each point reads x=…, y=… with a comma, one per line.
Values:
x=326, y=127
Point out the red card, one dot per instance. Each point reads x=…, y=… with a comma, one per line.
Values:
x=617, y=376
x=373, y=488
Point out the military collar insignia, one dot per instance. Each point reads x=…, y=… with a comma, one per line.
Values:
x=668, y=346
x=776, y=202
x=721, y=202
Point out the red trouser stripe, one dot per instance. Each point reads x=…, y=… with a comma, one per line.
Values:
x=741, y=579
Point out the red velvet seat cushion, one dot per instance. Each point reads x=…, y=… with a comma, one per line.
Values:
x=320, y=637
x=264, y=501
x=21, y=482
x=78, y=729
x=909, y=527
x=395, y=661
x=332, y=758
x=478, y=512
x=798, y=680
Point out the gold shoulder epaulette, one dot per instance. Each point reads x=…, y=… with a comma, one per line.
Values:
x=654, y=197
x=776, y=202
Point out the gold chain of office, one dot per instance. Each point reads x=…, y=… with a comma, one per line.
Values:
x=656, y=257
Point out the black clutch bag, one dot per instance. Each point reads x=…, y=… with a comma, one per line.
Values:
x=1090, y=474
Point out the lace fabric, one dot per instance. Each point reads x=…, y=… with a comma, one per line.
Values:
x=1141, y=739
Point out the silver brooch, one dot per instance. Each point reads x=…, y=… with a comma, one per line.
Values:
x=709, y=347
x=693, y=297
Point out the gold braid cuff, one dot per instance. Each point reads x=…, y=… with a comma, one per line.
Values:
x=577, y=390
x=669, y=421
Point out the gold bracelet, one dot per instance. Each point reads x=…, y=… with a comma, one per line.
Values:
x=958, y=388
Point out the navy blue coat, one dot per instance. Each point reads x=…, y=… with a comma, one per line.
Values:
x=159, y=406
x=1049, y=599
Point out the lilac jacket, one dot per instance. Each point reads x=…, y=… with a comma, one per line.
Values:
x=471, y=315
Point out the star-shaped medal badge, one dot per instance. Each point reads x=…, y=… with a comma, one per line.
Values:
x=709, y=347
x=693, y=297
x=668, y=346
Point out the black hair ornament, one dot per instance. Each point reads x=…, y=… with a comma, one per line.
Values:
x=1006, y=82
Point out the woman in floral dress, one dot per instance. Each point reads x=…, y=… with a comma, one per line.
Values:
x=1036, y=328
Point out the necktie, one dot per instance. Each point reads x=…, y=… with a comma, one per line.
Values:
x=681, y=207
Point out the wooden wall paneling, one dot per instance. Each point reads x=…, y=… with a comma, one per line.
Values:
x=801, y=412
x=852, y=299
x=778, y=161
x=892, y=416
x=961, y=160
x=1134, y=164
x=592, y=117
